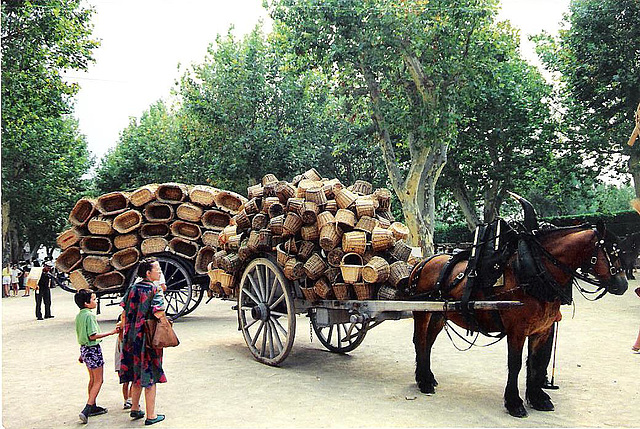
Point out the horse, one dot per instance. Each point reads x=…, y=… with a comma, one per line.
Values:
x=560, y=255
x=630, y=248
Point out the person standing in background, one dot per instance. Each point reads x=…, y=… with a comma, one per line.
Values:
x=6, y=281
x=43, y=293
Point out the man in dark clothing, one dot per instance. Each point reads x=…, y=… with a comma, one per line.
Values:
x=43, y=293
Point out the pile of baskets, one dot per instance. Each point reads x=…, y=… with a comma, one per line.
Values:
x=340, y=241
x=111, y=233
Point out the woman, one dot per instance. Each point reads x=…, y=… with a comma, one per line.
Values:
x=140, y=365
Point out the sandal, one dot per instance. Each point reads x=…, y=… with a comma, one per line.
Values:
x=159, y=418
x=127, y=405
x=635, y=349
x=136, y=414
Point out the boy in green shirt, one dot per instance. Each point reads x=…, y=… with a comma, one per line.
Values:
x=88, y=333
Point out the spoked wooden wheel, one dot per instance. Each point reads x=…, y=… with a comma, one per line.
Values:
x=338, y=337
x=179, y=286
x=197, y=293
x=266, y=314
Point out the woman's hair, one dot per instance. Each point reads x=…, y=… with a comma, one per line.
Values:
x=145, y=265
x=82, y=297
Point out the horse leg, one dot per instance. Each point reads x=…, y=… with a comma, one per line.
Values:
x=540, y=346
x=424, y=334
x=512, y=400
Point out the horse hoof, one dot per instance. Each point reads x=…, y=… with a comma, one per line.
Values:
x=427, y=388
x=542, y=405
x=518, y=411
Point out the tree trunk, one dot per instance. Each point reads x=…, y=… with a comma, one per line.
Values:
x=634, y=169
x=461, y=195
x=492, y=202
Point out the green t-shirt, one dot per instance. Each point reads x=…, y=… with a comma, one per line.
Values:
x=87, y=325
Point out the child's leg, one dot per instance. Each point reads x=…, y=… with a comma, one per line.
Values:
x=91, y=381
x=97, y=384
x=636, y=346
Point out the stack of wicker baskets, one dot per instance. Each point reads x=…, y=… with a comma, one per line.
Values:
x=110, y=234
x=341, y=242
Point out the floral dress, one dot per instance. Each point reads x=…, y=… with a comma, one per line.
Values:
x=139, y=364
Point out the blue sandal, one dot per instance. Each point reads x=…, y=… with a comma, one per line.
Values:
x=159, y=418
x=136, y=414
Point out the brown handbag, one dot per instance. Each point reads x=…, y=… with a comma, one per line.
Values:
x=159, y=332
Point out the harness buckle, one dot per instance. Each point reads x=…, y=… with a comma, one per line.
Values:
x=594, y=260
x=460, y=275
x=472, y=273
x=614, y=271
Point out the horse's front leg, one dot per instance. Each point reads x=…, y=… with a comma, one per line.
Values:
x=540, y=346
x=512, y=400
x=424, y=376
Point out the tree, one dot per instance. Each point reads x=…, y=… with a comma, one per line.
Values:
x=43, y=153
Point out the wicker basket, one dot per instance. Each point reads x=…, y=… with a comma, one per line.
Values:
x=255, y=191
x=292, y=224
x=100, y=225
x=331, y=207
x=111, y=280
x=381, y=239
x=284, y=191
x=330, y=187
x=323, y=288
x=96, y=245
x=399, y=230
x=125, y=258
x=172, y=193
x=383, y=222
x=276, y=225
x=401, y=251
x=69, y=237
x=267, y=202
x=295, y=204
x=362, y=187
x=126, y=240
x=252, y=243
x=305, y=184
x=217, y=258
x=309, y=212
x=153, y=245
x=351, y=267
x=269, y=178
x=345, y=198
x=227, y=282
x=204, y=258
x=293, y=269
x=81, y=280
x=233, y=243
x=290, y=246
x=127, y=221
x=385, y=214
x=264, y=240
x=316, y=195
x=365, y=207
x=310, y=294
x=185, y=248
x=189, y=212
x=305, y=249
x=376, y=270
x=364, y=290
x=354, y=242
x=112, y=203
x=244, y=253
x=366, y=224
x=383, y=195
x=346, y=219
x=325, y=218
x=342, y=291
x=82, y=212
x=96, y=264
x=399, y=273
x=259, y=221
x=154, y=229
x=333, y=274
x=282, y=256
x=330, y=237
x=269, y=190
x=215, y=220
x=203, y=195
x=69, y=259
x=158, y=212
x=230, y=263
x=230, y=201
x=368, y=255
x=242, y=221
x=275, y=209
x=143, y=195
x=210, y=238
x=388, y=293
x=315, y=266
x=334, y=257
x=312, y=174
x=310, y=232
x=253, y=206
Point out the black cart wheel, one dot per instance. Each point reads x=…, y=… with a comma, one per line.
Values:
x=197, y=293
x=338, y=337
x=266, y=314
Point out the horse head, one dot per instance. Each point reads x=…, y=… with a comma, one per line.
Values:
x=608, y=266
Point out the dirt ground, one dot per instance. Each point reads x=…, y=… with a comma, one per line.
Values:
x=214, y=381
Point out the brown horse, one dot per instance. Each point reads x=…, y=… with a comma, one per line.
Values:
x=562, y=254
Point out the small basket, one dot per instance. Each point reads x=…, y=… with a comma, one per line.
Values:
x=244, y=253
x=96, y=264
x=230, y=263
x=305, y=249
x=316, y=195
x=276, y=225
x=383, y=195
x=233, y=243
x=295, y=204
x=284, y=191
x=290, y=246
x=153, y=245
x=154, y=229
x=309, y=212
x=399, y=273
x=264, y=240
x=158, y=212
x=171, y=193
x=253, y=206
x=376, y=270
x=401, y=251
x=217, y=258
x=126, y=240
x=345, y=198
x=346, y=219
x=113, y=279
x=189, y=212
x=334, y=257
x=100, y=225
x=310, y=232
x=322, y=288
x=351, y=267
x=365, y=207
x=69, y=237
x=112, y=203
x=259, y=221
x=215, y=220
x=305, y=184
x=125, y=258
x=143, y=195
x=127, y=221
x=354, y=242
x=292, y=224
x=312, y=174
x=364, y=290
x=185, y=248
x=82, y=212
x=275, y=209
x=366, y=224
x=331, y=206
x=269, y=178
x=381, y=239
x=399, y=230
x=81, y=280
x=310, y=294
x=330, y=237
x=255, y=191
x=388, y=293
x=69, y=259
x=333, y=274
x=361, y=187
x=281, y=255
x=330, y=187
x=210, y=238
x=267, y=202
x=315, y=266
x=383, y=222
x=325, y=218
x=204, y=258
x=293, y=269
x=342, y=291
x=230, y=201
x=269, y=190
x=242, y=220
x=252, y=243
x=203, y=195
x=96, y=245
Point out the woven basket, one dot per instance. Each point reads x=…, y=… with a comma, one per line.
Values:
x=342, y=291
x=330, y=237
x=284, y=191
x=310, y=232
x=153, y=245
x=126, y=240
x=100, y=225
x=295, y=204
x=323, y=288
x=290, y=246
x=267, y=202
x=253, y=206
x=281, y=255
x=217, y=258
x=264, y=240
x=269, y=178
x=376, y=270
x=333, y=274
x=310, y=294
x=351, y=267
x=255, y=191
x=143, y=195
x=383, y=222
x=203, y=195
x=69, y=259
x=82, y=212
x=305, y=184
x=365, y=207
x=227, y=282
x=316, y=195
x=292, y=224
x=354, y=242
x=385, y=214
x=309, y=212
x=330, y=187
x=233, y=243
x=244, y=253
x=252, y=243
x=259, y=221
x=158, y=212
x=364, y=290
x=127, y=221
x=214, y=278
x=111, y=280
x=383, y=195
x=269, y=190
x=312, y=174
x=210, y=238
x=345, y=198
x=325, y=218
x=362, y=187
x=125, y=258
x=154, y=229
x=215, y=220
x=204, y=258
x=331, y=206
x=230, y=201
x=69, y=237
x=315, y=266
x=276, y=225
x=401, y=251
x=399, y=273
x=112, y=203
x=399, y=230
x=172, y=193
x=293, y=269
x=185, y=248
x=189, y=212
x=96, y=245
x=96, y=264
x=366, y=224
x=230, y=263
x=346, y=219
x=305, y=249
x=81, y=280
x=388, y=293
x=242, y=220
x=334, y=257
x=381, y=239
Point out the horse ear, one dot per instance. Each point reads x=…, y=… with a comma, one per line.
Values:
x=601, y=228
x=530, y=219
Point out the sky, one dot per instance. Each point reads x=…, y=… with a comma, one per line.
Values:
x=144, y=41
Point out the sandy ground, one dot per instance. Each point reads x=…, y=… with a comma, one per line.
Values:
x=214, y=381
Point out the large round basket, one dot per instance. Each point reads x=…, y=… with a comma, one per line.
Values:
x=215, y=220
x=203, y=195
x=345, y=198
x=399, y=273
x=364, y=290
x=158, y=212
x=351, y=267
x=125, y=258
x=346, y=219
x=399, y=230
x=153, y=245
x=82, y=212
x=323, y=288
x=127, y=221
x=293, y=269
x=316, y=195
x=365, y=207
x=210, y=238
x=354, y=242
x=143, y=195
x=330, y=237
x=96, y=245
x=113, y=279
x=69, y=259
x=381, y=239
x=172, y=193
x=376, y=270
x=69, y=237
x=154, y=229
x=203, y=259
x=185, y=248
x=112, y=203
x=309, y=212
x=230, y=201
x=96, y=264
x=189, y=212
x=81, y=280
x=315, y=266
x=126, y=240
x=100, y=225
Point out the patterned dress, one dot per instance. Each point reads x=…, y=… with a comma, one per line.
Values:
x=139, y=364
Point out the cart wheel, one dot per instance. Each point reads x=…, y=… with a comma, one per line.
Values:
x=339, y=337
x=197, y=293
x=266, y=314
x=179, y=286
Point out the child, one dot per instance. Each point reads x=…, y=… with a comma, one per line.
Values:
x=126, y=392
x=88, y=333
